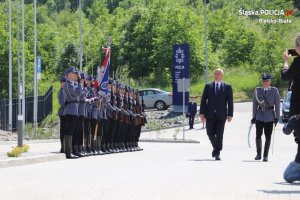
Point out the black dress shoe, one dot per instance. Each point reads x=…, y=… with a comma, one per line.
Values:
x=265, y=159
x=217, y=157
x=258, y=157
x=71, y=156
x=100, y=152
x=213, y=154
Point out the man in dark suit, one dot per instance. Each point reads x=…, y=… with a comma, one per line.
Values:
x=192, y=110
x=216, y=106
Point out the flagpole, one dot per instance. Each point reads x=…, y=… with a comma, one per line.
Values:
x=35, y=76
x=80, y=30
x=23, y=65
x=10, y=71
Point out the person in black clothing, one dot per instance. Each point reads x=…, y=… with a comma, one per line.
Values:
x=216, y=106
x=292, y=172
x=192, y=110
x=292, y=73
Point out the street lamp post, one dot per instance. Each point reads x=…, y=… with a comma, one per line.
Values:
x=205, y=42
x=20, y=88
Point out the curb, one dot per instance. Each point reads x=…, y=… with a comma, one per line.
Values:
x=14, y=142
x=30, y=160
x=170, y=141
x=165, y=128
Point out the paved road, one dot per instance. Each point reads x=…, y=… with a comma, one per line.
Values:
x=162, y=171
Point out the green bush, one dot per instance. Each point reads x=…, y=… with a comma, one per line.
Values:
x=17, y=151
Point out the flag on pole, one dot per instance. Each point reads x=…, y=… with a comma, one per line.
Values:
x=103, y=72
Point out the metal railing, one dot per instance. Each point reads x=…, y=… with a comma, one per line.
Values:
x=44, y=109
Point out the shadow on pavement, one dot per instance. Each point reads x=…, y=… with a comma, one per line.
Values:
x=254, y=161
x=290, y=184
x=202, y=160
x=279, y=191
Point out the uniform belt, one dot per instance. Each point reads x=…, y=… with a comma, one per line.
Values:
x=265, y=108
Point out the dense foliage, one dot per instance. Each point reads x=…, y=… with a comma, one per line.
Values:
x=143, y=33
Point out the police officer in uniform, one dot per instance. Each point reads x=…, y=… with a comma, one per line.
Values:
x=266, y=112
x=114, y=118
x=105, y=145
x=90, y=95
x=72, y=92
x=78, y=137
x=123, y=116
x=61, y=101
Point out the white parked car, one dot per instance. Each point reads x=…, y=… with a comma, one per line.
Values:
x=156, y=98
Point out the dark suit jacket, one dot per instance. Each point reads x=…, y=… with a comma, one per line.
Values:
x=192, y=109
x=219, y=106
x=293, y=74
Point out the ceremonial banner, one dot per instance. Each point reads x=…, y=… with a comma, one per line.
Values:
x=103, y=72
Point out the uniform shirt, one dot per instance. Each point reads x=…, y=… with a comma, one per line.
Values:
x=265, y=99
x=72, y=91
x=89, y=94
x=61, y=101
x=109, y=107
x=82, y=104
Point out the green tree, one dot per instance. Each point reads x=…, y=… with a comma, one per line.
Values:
x=68, y=58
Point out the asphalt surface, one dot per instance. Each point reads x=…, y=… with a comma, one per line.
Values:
x=163, y=170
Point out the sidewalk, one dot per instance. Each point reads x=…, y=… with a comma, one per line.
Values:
x=39, y=151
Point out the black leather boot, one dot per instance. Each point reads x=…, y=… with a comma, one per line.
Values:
x=266, y=150
x=68, y=147
x=81, y=150
x=103, y=148
x=109, y=147
x=99, y=146
x=62, y=148
x=120, y=147
x=130, y=146
x=76, y=151
x=127, y=146
x=117, y=148
x=137, y=147
x=258, y=149
x=123, y=148
x=94, y=148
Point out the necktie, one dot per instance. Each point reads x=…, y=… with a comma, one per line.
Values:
x=217, y=88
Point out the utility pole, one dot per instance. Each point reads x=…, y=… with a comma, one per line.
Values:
x=23, y=65
x=35, y=76
x=205, y=42
x=10, y=72
x=80, y=30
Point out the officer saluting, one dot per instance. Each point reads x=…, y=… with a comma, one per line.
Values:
x=266, y=111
